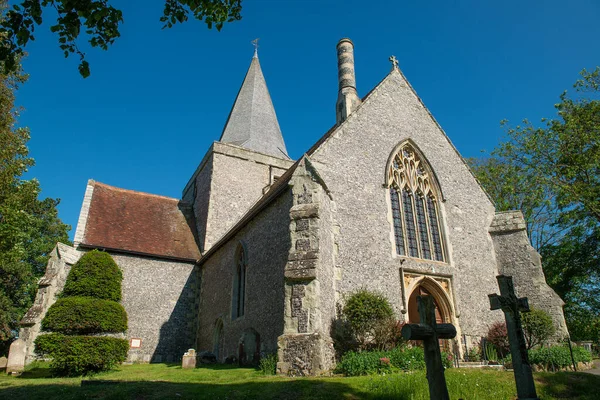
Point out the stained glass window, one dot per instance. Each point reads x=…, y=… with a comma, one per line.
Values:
x=397, y=216
x=423, y=231
x=417, y=231
x=435, y=230
x=409, y=220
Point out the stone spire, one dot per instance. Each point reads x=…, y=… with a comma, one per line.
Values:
x=252, y=122
x=348, y=99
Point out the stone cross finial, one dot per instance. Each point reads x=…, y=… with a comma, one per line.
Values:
x=508, y=302
x=394, y=62
x=255, y=44
x=430, y=332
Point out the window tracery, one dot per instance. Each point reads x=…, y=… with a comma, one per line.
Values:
x=417, y=230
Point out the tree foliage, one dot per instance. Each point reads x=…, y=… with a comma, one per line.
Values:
x=29, y=226
x=98, y=20
x=552, y=173
x=537, y=326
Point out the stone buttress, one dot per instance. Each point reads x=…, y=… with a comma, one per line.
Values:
x=517, y=258
x=305, y=348
x=50, y=285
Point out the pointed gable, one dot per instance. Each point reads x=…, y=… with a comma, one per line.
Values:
x=252, y=122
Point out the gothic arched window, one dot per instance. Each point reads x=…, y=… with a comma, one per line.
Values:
x=239, y=284
x=415, y=210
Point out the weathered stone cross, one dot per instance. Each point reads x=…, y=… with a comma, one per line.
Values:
x=511, y=305
x=430, y=332
x=394, y=62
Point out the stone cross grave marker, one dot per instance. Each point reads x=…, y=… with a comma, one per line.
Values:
x=430, y=332
x=508, y=302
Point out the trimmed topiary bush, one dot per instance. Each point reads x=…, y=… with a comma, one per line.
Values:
x=95, y=275
x=85, y=315
x=80, y=355
x=88, y=305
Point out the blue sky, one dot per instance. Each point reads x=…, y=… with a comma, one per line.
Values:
x=157, y=99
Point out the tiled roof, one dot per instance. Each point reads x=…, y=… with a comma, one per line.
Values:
x=141, y=223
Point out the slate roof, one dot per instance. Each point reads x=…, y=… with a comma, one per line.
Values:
x=140, y=223
x=252, y=122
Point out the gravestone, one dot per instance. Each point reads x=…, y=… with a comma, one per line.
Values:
x=508, y=302
x=3, y=362
x=16, y=357
x=430, y=332
x=189, y=359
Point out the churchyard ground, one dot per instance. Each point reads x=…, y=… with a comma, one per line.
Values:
x=162, y=381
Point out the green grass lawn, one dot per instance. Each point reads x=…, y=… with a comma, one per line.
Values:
x=160, y=381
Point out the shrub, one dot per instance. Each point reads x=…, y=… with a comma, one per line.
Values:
x=268, y=364
x=378, y=362
x=84, y=315
x=370, y=319
x=95, y=275
x=498, y=336
x=81, y=355
x=537, y=326
x=474, y=354
x=558, y=357
x=409, y=359
x=87, y=305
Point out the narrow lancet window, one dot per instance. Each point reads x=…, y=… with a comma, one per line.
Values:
x=397, y=216
x=239, y=285
x=409, y=219
x=423, y=231
x=414, y=199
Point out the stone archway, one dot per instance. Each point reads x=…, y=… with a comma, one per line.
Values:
x=249, y=347
x=443, y=307
x=218, y=340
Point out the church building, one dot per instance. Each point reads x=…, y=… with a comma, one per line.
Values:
x=261, y=250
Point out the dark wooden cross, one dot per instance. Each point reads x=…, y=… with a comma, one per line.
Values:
x=512, y=306
x=430, y=332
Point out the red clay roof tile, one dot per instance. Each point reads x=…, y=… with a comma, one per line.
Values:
x=137, y=222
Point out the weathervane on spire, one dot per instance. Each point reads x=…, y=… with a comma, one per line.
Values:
x=255, y=44
x=394, y=62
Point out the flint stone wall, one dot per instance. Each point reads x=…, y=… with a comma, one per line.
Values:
x=517, y=258
x=266, y=239
x=226, y=184
x=161, y=299
x=353, y=164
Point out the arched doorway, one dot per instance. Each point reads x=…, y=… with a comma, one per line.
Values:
x=249, y=348
x=218, y=340
x=443, y=308
x=413, y=312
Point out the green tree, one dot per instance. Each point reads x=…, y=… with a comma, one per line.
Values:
x=29, y=226
x=552, y=173
x=98, y=20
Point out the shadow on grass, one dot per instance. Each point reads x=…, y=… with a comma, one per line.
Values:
x=568, y=385
x=284, y=389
